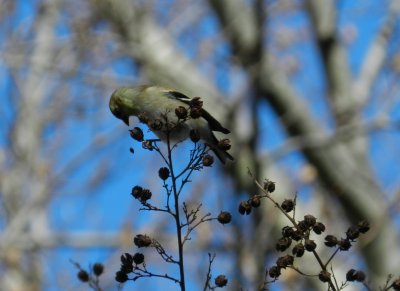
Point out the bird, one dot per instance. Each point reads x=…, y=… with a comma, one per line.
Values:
x=160, y=107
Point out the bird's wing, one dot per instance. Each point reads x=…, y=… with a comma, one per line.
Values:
x=178, y=96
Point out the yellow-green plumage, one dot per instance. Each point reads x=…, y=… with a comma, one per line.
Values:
x=155, y=102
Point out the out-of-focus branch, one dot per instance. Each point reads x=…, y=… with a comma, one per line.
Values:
x=375, y=56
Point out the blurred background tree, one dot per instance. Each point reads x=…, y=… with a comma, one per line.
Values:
x=308, y=88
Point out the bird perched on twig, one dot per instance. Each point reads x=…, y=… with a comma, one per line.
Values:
x=170, y=114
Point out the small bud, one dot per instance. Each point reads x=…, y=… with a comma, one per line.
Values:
x=208, y=160
x=83, y=276
x=156, y=124
x=194, y=135
x=195, y=113
x=224, y=144
x=121, y=277
x=319, y=228
x=143, y=117
x=274, y=272
x=352, y=233
x=137, y=192
x=244, y=208
x=221, y=281
x=131, y=150
x=138, y=258
x=298, y=250
x=310, y=220
x=363, y=226
x=285, y=261
x=287, y=205
x=310, y=245
x=163, y=173
x=142, y=240
x=98, y=269
x=255, y=201
x=344, y=245
x=224, y=217
x=137, y=134
x=324, y=276
x=283, y=244
x=181, y=112
x=331, y=241
x=146, y=195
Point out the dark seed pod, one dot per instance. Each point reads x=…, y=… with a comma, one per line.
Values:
x=221, y=281
x=224, y=217
x=142, y=240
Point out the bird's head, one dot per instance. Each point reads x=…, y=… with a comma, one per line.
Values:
x=123, y=104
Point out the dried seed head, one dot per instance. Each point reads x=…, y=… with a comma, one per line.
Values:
x=297, y=235
x=283, y=262
x=283, y=244
x=224, y=144
x=351, y=275
x=194, y=135
x=287, y=205
x=244, y=208
x=83, y=276
x=274, y=272
x=221, y=281
x=146, y=195
x=363, y=226
x=98, y=269
x=208, y=160
x=360, y=276
x=142, y=240
x=163, y=173
x=319, y=228
x=121, y=277
x=302, y=226
x=287, y=231
x=344, y=244
x=224, y=217
x=298, y=250
x=310, y=220
x=352, y=232
x=331, y=241
x=126, y=263
x=195, y=113
x=181, y=112
x=137, y=134
x=309, y=245
x=269, y=186
x=255, y=201
x=324, y=276
x=137, y=192
x=138, y=258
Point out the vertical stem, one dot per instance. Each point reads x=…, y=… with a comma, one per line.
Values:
x=177, y=217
